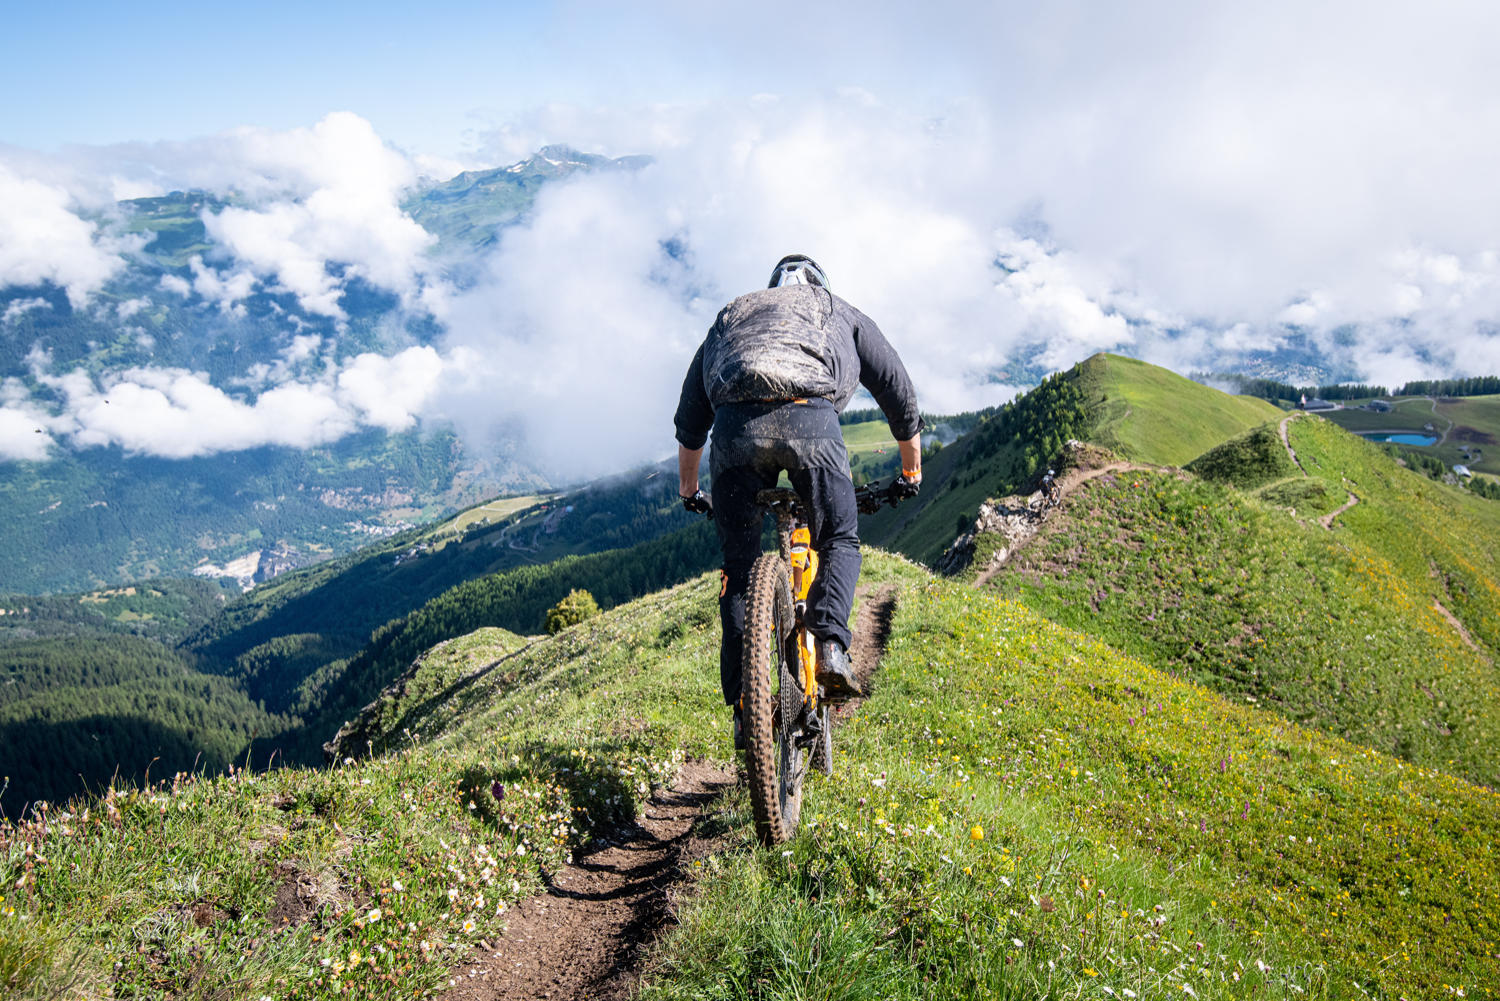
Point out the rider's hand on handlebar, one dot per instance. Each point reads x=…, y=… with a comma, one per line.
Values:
x=905, y=486
x=699, y=503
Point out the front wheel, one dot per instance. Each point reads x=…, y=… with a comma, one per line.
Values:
x=772, y=703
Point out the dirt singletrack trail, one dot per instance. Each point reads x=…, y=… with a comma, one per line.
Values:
x=1458, y=627
x=872, y=627
x=1326, y=520
x=586, y=935
x=1021, y=524
x=1287, y=442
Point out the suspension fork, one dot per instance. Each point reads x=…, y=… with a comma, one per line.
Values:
x=804, y=564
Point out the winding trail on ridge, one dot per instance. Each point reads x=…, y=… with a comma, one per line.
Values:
x=1034, y=517
x=1287, y=442
x=1326, y=520
x=587, y=934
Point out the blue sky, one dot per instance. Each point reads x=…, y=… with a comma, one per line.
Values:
x=100, y=73
x=104, y=72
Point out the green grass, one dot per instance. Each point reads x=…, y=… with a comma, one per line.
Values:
x=1252, y=459
x=493, y=511
x=1134, y=833
x=173, y=890
x=1339, y=630
x=1429, y=532
x=1150, y=414
x=1018, y=810
x=1305, y=496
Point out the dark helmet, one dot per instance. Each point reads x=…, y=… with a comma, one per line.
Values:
x=797, y=269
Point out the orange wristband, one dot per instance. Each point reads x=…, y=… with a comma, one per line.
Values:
x=910, y=473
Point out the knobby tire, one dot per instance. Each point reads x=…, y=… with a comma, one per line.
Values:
x=774, y=765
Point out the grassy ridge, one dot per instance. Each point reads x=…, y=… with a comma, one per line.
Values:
x=1447, y=539
x=388, y=871
x=1341, y=630
x=515, y=600
x=1152, y=415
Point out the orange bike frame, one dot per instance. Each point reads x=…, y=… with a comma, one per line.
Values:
x=804, y=571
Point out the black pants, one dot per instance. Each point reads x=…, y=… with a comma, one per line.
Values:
x=752, y=445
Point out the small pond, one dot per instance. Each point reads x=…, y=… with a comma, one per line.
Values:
x=1403, y=438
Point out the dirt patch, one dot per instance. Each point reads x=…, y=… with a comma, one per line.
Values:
x=872, y=627
x=300, y=895
x=586, y=935
x=1453, y=621
x=1327, y=520
x=583, y=937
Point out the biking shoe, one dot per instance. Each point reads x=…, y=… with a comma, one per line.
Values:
x=739, y=730
x=835, y=673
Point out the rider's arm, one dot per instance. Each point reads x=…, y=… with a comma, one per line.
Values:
x=688, y=460
x=911, y=457
x=695, y=414
x=881, y=372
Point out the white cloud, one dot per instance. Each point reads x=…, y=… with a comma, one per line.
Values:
x=42, y=240
x=175, y=284
x=1187, y=183
x=22, y=435
x=346, y=184
x=226, y=290
x=314, y=207
x=130, y=307
x=175, y=413
x=20, y=307
x=390, y=392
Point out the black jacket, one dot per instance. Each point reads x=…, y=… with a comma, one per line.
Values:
x=797, y=341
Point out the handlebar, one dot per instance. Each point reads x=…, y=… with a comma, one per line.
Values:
x=868, y=498
x=871, y=496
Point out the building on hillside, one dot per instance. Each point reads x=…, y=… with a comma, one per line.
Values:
x=1462, y=470
x=1380, y=406
x=1316, y=404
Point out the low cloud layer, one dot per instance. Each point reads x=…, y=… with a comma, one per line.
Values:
x=178, y=414
x=42, y=239
x=315, y=207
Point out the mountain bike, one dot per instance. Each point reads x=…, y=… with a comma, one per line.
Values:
x=785, y=717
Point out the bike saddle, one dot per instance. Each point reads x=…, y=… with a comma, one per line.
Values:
x=778, y=497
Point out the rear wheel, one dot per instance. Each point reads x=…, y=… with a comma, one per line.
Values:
x=773, y=703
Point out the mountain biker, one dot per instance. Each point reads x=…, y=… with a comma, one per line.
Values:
x=777, y=367
x=1049, y=486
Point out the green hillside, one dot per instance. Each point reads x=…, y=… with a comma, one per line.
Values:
x=1018, y=810
x=1345, y=628
x=1139, y=411
x=1150, y=414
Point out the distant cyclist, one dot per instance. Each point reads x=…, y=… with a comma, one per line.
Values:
x=1050, y=489
x=769, y=380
